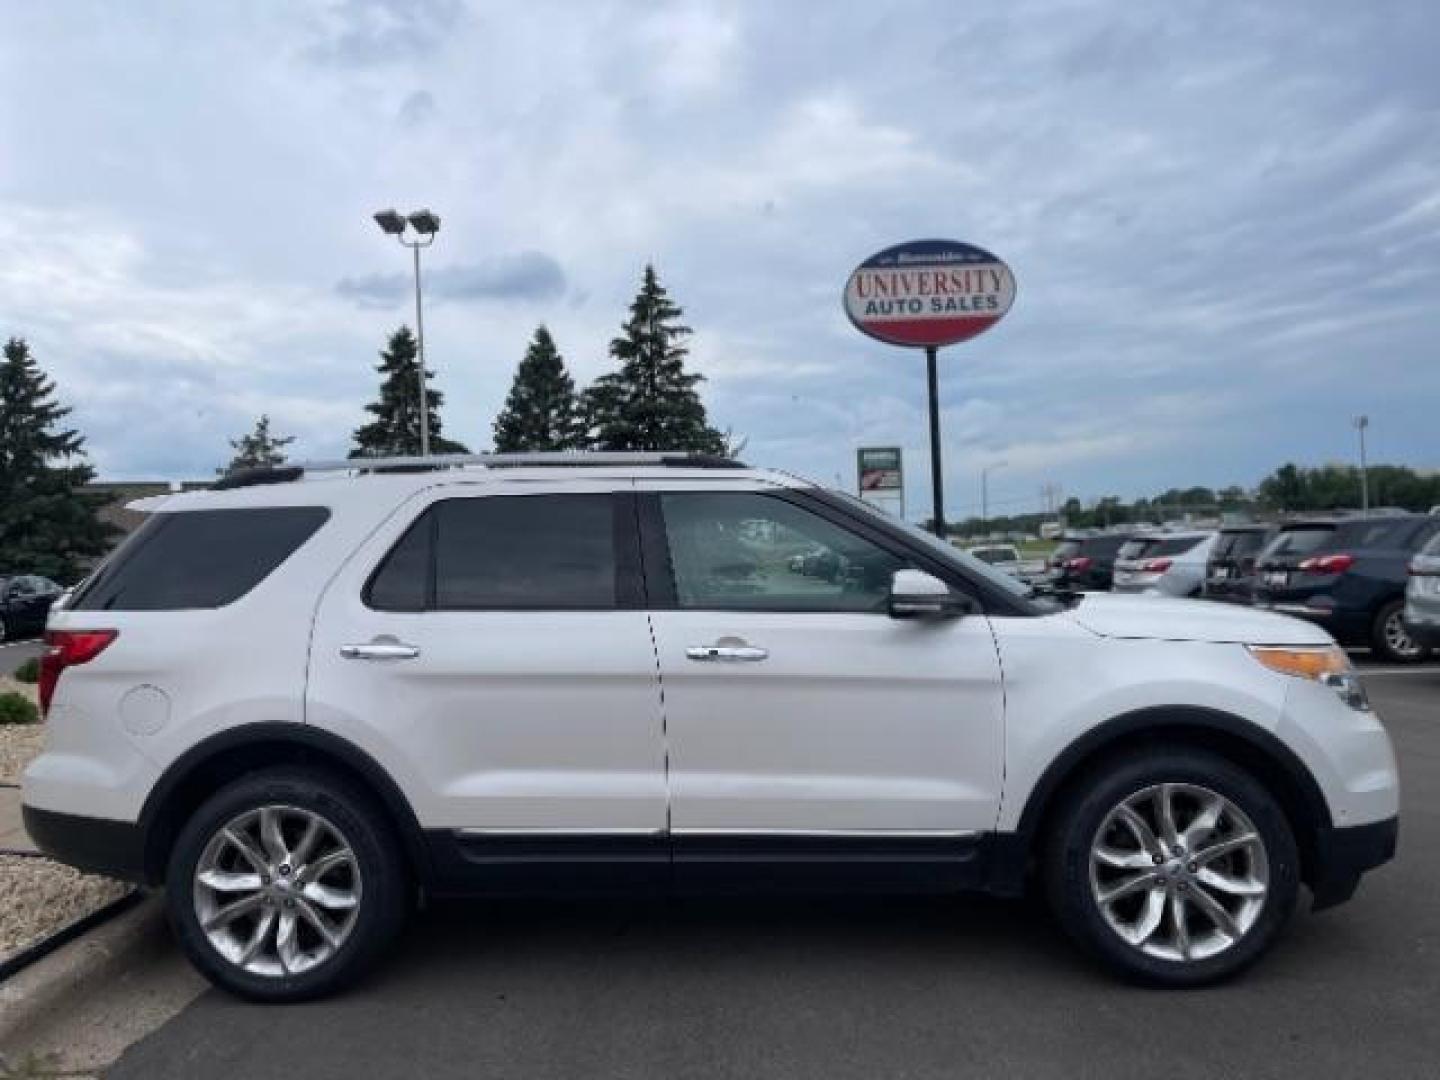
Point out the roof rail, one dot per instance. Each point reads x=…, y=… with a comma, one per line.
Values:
x=557, y=459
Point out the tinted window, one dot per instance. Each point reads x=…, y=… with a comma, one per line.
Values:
x=403, y=582
x=993, y=555
x=1374, y=534
x=198, y=558
x=503, y=552
x=1134, y=549
x=1235, y=545
x=738, y=550
x=1173, y=545
x=1298, y=541
x=1064, y=550
x=1102, y=545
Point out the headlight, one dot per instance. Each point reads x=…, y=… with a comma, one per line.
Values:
x=1326, y=664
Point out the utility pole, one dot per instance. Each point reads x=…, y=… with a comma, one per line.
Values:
x=985, y=493
x=1361, y=423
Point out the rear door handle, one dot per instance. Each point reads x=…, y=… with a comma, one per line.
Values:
x=726, y=652
x=380, y=650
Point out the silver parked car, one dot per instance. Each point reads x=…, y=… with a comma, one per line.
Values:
x=1422, y=595
x=1164, y=564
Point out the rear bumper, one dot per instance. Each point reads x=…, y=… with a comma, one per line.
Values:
x=1343, y=855
x=95, y=845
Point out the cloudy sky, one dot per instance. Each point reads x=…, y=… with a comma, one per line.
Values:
x=1224, y=220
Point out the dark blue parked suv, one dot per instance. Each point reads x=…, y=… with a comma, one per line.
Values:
x=1348, y=575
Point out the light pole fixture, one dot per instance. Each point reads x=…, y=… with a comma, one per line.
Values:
x=423, y=224
x=985, y=491
x=1361, y=423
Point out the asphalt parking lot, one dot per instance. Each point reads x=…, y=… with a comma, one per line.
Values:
x=859, y=988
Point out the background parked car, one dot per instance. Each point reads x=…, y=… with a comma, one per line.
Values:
x=1086, y=563
x=1164, y=564
x=1422, y=596
x=1349, y=575
x=1230, y=572
x=1007, y=558
x=25, y=601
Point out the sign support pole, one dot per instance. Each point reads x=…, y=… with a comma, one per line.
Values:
x=936, y=481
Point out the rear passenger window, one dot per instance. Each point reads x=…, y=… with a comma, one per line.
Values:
x=504, y=552
x=198, y=558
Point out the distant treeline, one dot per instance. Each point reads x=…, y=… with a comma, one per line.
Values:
x=1289, y=489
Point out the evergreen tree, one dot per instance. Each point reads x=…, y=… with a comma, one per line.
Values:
x=48, y=522
x=396, y=427
x=542, y=411
x=651, y=403
x=259, y=449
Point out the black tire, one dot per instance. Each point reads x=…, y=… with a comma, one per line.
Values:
x=1085, y=809
x=382, y=908
x=1380, y=640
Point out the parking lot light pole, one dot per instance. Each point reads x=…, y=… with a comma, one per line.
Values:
x=985, y=492
x=1361, y=423
x=424, y=224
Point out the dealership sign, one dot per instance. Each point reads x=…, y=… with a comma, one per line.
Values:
x=878, y=468
x=929, y=293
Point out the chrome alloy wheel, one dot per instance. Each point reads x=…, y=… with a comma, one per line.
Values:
x=1397, y=638
x=277, y=890
x=1179, y=872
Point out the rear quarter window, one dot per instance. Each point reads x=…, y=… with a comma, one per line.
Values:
x=198, y=558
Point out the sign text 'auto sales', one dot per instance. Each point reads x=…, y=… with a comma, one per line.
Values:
x=929, y=293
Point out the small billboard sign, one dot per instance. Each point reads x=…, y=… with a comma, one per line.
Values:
x=880, y=477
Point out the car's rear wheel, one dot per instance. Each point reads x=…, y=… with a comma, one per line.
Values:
x=1390, y=639
x=1174, y=866
x=286, y=885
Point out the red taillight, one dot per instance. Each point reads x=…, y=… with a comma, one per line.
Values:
x=68, y=648
x=1079, y=565
x=1327, y=564
x=1150, y=566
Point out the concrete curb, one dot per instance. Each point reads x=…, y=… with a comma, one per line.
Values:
x=37, y=991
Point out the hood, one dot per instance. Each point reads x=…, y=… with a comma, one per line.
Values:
x=1111, y=615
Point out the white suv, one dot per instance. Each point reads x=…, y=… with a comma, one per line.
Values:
x=302, y=702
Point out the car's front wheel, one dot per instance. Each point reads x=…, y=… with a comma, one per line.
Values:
x=1174, y=866
x=285, y=885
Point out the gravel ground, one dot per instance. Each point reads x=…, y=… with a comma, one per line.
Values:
x=38, y=896
x=18, y=744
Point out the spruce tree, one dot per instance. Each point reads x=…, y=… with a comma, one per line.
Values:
x=48, y=522
x=259, y=449
x=395, y=431
x=542, y=411
x=651, y=403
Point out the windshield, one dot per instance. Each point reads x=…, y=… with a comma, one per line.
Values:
x=975, y=567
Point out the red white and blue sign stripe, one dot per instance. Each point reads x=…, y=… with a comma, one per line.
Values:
x=929, y=293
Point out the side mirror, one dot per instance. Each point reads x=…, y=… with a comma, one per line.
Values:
x=915, y=594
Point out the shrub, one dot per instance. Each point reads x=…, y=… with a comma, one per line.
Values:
x=17, y=709
x=29, y=671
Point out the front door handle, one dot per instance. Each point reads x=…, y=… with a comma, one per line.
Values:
x=386, y=648
x=726, y=652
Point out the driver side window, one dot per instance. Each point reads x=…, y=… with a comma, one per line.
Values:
x=744, y=551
